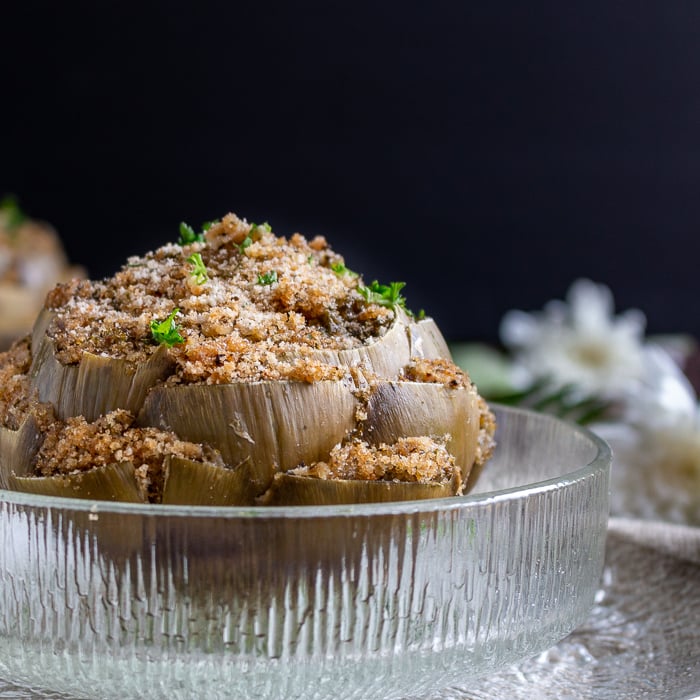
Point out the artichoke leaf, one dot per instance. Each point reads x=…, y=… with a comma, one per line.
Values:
x=387, y=356
x=113, y=482
x=41, y=324
x=427, y=341
x=97, y=384
x=202, y=483
x=384, y=356
x=412, y=409
x=17, y=449
x=298, y=490
x=271, y=425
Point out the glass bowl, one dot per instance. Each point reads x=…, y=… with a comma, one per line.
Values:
x=106, y=600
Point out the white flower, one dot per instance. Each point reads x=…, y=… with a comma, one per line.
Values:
x=655, y=428
x=656, y=466
x=656, y=471
x=579, y=341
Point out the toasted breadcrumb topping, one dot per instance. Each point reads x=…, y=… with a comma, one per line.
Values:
x=76, y=445
x=420, y=459
x=437, y=371
x=235, y=325
x=17, y=398
x=14, y=383
x=486, y=443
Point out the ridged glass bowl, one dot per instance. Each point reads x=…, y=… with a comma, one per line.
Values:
x=102, y=600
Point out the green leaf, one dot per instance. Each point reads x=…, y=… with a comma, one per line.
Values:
x=488, y=368
x=564, y=401
x=383, y=294
x=264, y=226
x=268, y=278
x=187, y=234
x=14, y=216
x=208, y=224
x=342, y=271
x=166, y=332
x=199, y=270
x=245, y=243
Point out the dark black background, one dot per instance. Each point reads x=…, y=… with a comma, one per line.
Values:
x=486, y=153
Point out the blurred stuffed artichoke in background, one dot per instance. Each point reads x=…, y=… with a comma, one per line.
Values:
x=32, y=261
x=235, y=367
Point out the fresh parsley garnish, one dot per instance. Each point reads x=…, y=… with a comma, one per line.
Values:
x=342, y=271
x=188, y=235
x=388, y=295
x=245, y=243
x=166, y=332
x=208, y=224
x=14, y=216
x=199, y=270
x=263, y=227
x=268, y=278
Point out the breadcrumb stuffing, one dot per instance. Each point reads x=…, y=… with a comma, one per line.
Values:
x=76, y=445
x=486, y=443
x=437, y=371
x=17, y=399
x=235, y=326
x=14, y=383
x=413, y=459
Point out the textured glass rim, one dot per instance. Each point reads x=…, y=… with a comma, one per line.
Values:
x=601, y=461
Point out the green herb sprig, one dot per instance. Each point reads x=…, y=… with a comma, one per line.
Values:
x=268, y=278
x=199, y=269
x=166, y=332
x=245, y=243
x=188, y=235
x=208, y=224
x=13, y=214
x=342, y=271
x=388, y=295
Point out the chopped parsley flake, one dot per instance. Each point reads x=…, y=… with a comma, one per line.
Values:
x=166, y=332
x=268, y=278
x=187, y=235
x=383, y=294
x=208, y=224
x=245, y=243
x=199, y=270
x=342, y=271
x=263, y=227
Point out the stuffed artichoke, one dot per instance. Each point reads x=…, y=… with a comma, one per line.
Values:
x=32, y=261
x=236, y=367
